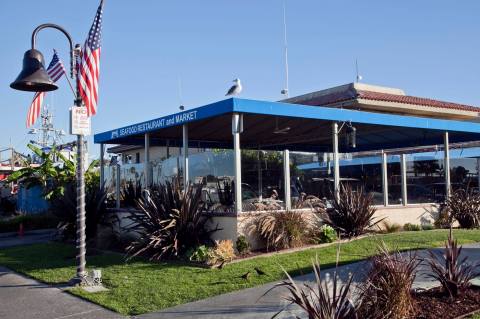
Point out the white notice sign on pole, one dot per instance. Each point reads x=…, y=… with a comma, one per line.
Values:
x=79, y=121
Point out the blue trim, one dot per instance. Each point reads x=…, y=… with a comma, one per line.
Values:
x=180, y=118
x=344, y=115
x=283, y=109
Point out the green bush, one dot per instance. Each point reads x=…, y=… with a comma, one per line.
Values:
x=243, y=246
x=30, y=222
x=327, y=234
x=199, y=254
x=411, y=227
x=427, y=227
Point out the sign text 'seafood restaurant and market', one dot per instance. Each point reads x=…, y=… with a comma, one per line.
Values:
x=155, y=124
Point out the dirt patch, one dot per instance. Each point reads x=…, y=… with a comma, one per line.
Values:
x=434, y=304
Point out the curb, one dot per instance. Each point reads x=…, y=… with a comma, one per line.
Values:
x=47, y=231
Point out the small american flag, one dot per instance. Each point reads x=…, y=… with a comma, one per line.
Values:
x=55, y=70
x=90, y=64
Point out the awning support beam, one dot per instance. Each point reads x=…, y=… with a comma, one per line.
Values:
x=237, y=128
x=446, y=165
x=185, y=157
x=286, y=179
x=102, y=167
x=336, y=162
x=403, y=168
x=384, y=179
x=146, y=166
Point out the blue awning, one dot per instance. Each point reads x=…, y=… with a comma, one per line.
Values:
x=310, y=128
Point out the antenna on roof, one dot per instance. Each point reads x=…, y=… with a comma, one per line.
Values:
x=285, y=89
x=358, y=77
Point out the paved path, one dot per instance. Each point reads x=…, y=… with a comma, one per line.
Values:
x=31, y=237
x=24, y=298
x=249, y=303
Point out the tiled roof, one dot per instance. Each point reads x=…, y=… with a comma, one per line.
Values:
x=369, y=95
x=352, y=94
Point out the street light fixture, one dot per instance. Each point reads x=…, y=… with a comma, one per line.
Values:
x=34, y=78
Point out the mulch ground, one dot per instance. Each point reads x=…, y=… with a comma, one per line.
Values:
x=433, y=304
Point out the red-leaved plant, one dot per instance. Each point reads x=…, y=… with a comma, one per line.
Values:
x=452, y=271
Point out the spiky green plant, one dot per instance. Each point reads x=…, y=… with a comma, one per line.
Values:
x=352, y=213
x=169, y=223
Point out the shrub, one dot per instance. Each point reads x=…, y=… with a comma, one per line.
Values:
x=386, y=293
x=199, y=254
x=169, y=223
x=442, y=219
x=427, y=227
x=326, y=234
x=464, y=206
x=352, y=213
x=221, y=253
x=64, y=208
x=131, y=192
x=319, y=301
x=390, y=227
x=411, y=227
x=453, y=272
x=243, y=246
x=281, y=229
x=30, y=222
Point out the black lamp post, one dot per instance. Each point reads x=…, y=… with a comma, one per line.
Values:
x=34, y=78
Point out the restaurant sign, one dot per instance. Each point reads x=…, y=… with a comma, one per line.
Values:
x=155, y=124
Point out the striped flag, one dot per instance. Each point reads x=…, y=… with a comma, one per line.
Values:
x=90, y=64
x=55, y=70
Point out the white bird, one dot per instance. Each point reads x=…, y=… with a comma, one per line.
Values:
x=235, y=89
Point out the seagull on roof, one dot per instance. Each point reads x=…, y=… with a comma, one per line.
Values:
x=235, y=89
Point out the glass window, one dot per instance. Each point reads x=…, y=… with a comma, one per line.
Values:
x=312, y=174
x=463, y=173
x=262, y=179
x=365, y=172
x=394, y=180
x=425, y=179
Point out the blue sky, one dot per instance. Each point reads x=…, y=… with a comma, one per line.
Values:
x=429, y=48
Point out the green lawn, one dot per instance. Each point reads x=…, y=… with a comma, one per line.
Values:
x=140, y=286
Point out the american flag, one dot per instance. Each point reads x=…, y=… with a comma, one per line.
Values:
x=90, y=64
x=55, y=70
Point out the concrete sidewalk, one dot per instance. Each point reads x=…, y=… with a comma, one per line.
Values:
x=249, y=303
x=30, y=237
x=23, y=298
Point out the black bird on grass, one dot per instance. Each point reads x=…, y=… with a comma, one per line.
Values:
x=246, y=275
x=259, y=271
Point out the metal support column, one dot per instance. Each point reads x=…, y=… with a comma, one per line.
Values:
x=259, y=175
x=117, y=185
x=286, y=179
x=384, y=179
x=403, y=168
x=478, y=173
x=237, y=128
x=336, y=165
x=146, y=166
x=185, y=156
x=102, y=165
x=446, y=165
